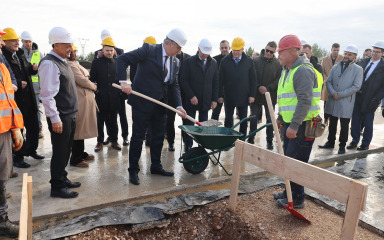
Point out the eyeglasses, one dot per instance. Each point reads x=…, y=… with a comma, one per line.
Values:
x=269, y=51
x=377, y=52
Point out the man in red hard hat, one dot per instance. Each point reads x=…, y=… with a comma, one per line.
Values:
x=298, y=94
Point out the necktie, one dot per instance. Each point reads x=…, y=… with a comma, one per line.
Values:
x=204, y=64
x=237, y=60
x=165, y=73
x=14, y=56
x=366, y=71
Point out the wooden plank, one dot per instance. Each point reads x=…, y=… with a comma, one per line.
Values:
x=30, y=193
x=23, y=231
x=235, y=179
x=356, y=200
x=320, y=180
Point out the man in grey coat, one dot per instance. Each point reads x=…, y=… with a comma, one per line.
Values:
x=343, y=82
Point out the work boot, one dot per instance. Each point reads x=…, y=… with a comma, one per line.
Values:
x=296, y=204
x=327, y=145
x=279, y=195
x=7, y=228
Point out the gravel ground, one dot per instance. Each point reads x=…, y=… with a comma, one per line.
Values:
x=256, y=217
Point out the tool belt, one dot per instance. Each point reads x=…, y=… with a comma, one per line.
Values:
x=314, y=128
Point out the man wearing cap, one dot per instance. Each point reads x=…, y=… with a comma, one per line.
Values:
x=122, y=110
x=200, y=84
x=11, y=121
x=25, y=96
x=238, y=84
x=298, y=96
x=368, y=97
x=156, y=77
x=59, y=97
x=33, y=55
x=224, y=51
x=103, y=73
x=343, y=82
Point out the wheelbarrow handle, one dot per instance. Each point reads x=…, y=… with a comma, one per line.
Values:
x=158, y=102
x=242, y=120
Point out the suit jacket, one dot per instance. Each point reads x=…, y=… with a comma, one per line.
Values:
x=149, y=78
x=326, y=64
x=372, y=90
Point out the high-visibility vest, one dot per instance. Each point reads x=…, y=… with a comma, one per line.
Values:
x=10, y=114
x=35, y=59
x=287, y=99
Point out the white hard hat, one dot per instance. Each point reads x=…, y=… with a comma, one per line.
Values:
x=378, y=44
x=205, y=46
x=104, y=34
x=351, y=48
x=303, y=42
x=26, y=36
x=178, y=36
x=60, y=35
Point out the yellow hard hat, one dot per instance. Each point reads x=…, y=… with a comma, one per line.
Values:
x=237, y=43
x=10, y=34
x=108, y=42
x=150, y=40
x=74, y=48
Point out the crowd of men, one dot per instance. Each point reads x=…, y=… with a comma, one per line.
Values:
x=198, y=83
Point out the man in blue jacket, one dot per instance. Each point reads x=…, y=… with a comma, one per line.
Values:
x=156, y=77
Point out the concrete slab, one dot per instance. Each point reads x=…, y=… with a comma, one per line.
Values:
x=105, y=182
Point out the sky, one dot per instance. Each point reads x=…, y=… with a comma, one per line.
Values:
x=257, y=22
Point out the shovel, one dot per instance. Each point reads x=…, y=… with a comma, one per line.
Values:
x=208, y=123
x=287, y=183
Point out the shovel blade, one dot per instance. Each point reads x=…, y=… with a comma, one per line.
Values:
x=295, y=213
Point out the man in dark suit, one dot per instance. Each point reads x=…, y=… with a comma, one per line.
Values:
x=237, y=77
x=369, y=97
x=156, y=77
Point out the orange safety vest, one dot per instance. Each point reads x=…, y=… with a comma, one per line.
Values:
x=10, y=114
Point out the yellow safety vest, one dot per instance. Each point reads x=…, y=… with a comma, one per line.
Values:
x=35, y=59
x=287, y=99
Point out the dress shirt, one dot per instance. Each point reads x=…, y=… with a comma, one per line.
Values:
x=168, y=64
x=238, y=59
x=49, y=76
x=204, y=62
x=372, y=68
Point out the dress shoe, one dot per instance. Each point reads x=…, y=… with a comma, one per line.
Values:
x=81, y=164
x=162, y=172
x=106, y=142
x=14, y=174
x=63, y=193
x=69, y=184
x=363, y=147
x=116, y=146
x=89, y=157
x=98, y=147
x=327, y=145
x=352, y=145
x=270, y=146
x=125, y=142
x=341, y=150
x=134, y=179
x=36, y=156
x=21, y=164
x=7, y=228
x=171, y=148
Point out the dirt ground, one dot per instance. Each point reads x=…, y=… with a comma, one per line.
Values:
x=256, y=217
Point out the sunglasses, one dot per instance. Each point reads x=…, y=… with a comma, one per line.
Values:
x=269, y=51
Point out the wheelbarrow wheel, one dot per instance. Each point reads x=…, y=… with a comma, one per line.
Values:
x=199, y=165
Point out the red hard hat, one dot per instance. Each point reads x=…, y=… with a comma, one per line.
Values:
x=289, y=41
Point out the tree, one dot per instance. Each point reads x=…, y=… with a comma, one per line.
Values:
x=249, y=51
x=88, y=58
x=319, y=52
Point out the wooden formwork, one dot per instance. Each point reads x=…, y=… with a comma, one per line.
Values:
x=25, y=223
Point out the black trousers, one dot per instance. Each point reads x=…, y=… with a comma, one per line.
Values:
x=203, y=116
x=77, y=155
x=123, y=120
x=216, y=112
x=61, y=150
x=140, y=120
x=243, y=111
x=344, y=128
x=110, y=120
x=171, y=126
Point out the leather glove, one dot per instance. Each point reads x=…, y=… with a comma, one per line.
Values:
x=17, y=139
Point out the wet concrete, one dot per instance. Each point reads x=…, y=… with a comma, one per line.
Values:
x=106, y=183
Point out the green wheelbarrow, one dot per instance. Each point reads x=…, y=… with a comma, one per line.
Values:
x=215, y=139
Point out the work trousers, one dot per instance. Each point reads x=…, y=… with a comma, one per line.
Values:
x=3, y=200
x=203, y=116
x=110, y=120
x=5, y=155
x=243, y=112
x=298, y=148
x=344, y=128
x=140, y=120
x=357, y=119
x=256, y=110
x=61, y=151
